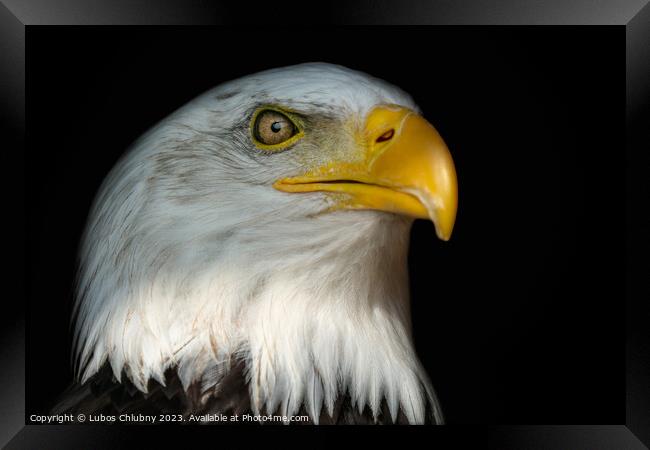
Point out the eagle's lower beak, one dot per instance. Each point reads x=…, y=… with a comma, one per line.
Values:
x=404, y=167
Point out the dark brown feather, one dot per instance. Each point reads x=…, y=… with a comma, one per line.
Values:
x=103, y=394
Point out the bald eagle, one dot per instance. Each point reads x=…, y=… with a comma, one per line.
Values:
x=249, y=254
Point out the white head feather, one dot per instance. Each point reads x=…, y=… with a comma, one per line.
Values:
x=191, y=259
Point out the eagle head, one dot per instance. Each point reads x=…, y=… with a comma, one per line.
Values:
x=266, y=223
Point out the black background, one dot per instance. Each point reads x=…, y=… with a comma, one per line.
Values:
x=518, y=319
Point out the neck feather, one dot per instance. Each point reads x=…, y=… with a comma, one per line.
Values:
x=319, y=322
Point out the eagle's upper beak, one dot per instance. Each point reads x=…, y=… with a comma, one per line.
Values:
x=402, y=166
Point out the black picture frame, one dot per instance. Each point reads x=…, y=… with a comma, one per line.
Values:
x=634, y=16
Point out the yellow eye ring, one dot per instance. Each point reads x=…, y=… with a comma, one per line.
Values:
x=281, y=129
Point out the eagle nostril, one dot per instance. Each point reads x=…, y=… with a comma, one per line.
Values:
x=386, y=136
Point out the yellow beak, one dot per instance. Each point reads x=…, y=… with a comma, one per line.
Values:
x=404, y=168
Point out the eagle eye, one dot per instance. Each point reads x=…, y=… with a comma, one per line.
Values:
x=271, y=128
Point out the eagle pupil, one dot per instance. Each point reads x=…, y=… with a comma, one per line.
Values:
x=276, y=126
